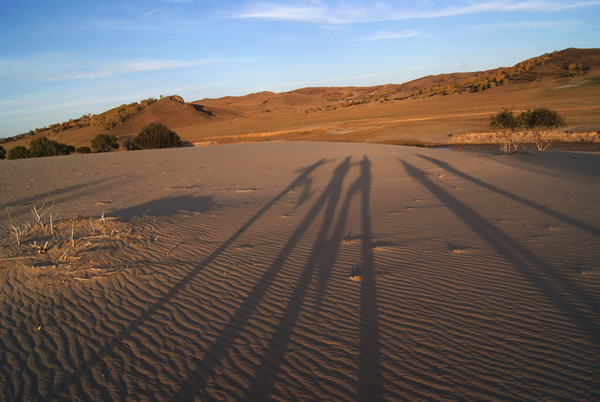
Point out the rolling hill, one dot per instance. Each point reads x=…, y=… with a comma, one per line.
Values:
x=429, y=109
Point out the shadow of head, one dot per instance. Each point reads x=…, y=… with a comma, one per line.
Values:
x=167, y=205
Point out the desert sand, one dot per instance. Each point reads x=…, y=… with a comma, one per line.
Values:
x=301, y=271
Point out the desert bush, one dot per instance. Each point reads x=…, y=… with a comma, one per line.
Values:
x=126, y=142
x=539, y=121
x=104, y=143
x=42, y=146
x=156, y=135
x=83, y=150
x=542, y=118
x=18, y=152
x=2, y=152
x=506, y=121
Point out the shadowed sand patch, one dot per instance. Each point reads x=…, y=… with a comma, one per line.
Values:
x=212, y=295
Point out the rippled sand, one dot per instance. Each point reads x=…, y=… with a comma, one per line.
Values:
x=311, y=271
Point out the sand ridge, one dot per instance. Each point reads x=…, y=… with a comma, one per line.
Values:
x=233, y=276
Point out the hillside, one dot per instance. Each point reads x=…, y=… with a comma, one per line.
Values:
x=428, y=109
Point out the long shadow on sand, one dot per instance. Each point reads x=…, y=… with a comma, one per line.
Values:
x=531, y=204
x=302, y=180
x=320, y=261
x=541, y=274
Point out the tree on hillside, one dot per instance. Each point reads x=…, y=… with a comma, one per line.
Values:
x=104, y=143
x=42, y=146
x=2, y=152
x=18, y=152
x=156, y=135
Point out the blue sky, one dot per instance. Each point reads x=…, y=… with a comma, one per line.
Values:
x=60, y=59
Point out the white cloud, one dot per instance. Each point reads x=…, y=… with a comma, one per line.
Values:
x=320, y=12
x=317, y=13
x=383, y=35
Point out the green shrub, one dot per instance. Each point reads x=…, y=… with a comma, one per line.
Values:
x=83, y=150
x=42, y=146
x=542, y=118
x=505, y=119
x=104, y=143
x=156, y=135
x=2, y=152
x=537, y=120
x=18, y=152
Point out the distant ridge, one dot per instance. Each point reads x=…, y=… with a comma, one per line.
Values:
x=235, y=112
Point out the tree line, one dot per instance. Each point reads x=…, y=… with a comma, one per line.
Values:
x=151, y=136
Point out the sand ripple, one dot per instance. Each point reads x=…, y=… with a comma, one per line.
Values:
x=455, y=299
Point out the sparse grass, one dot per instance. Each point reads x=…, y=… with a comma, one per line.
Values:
x=50, y=242
x=67, y=245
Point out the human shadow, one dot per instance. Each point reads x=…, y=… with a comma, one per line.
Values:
x=212, y=358
x=322, y=258
x=531, y=204
x=538, y=272
x=96, y=358
x=369, y=369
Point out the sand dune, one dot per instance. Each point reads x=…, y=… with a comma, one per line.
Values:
x=303, y=271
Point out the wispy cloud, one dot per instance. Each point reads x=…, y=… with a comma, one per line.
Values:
x=316, y=13
x=383, y=35
x=562, y=25
x=54, y=68
x=148, y=13
x=347, y=13
x=139, y=66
